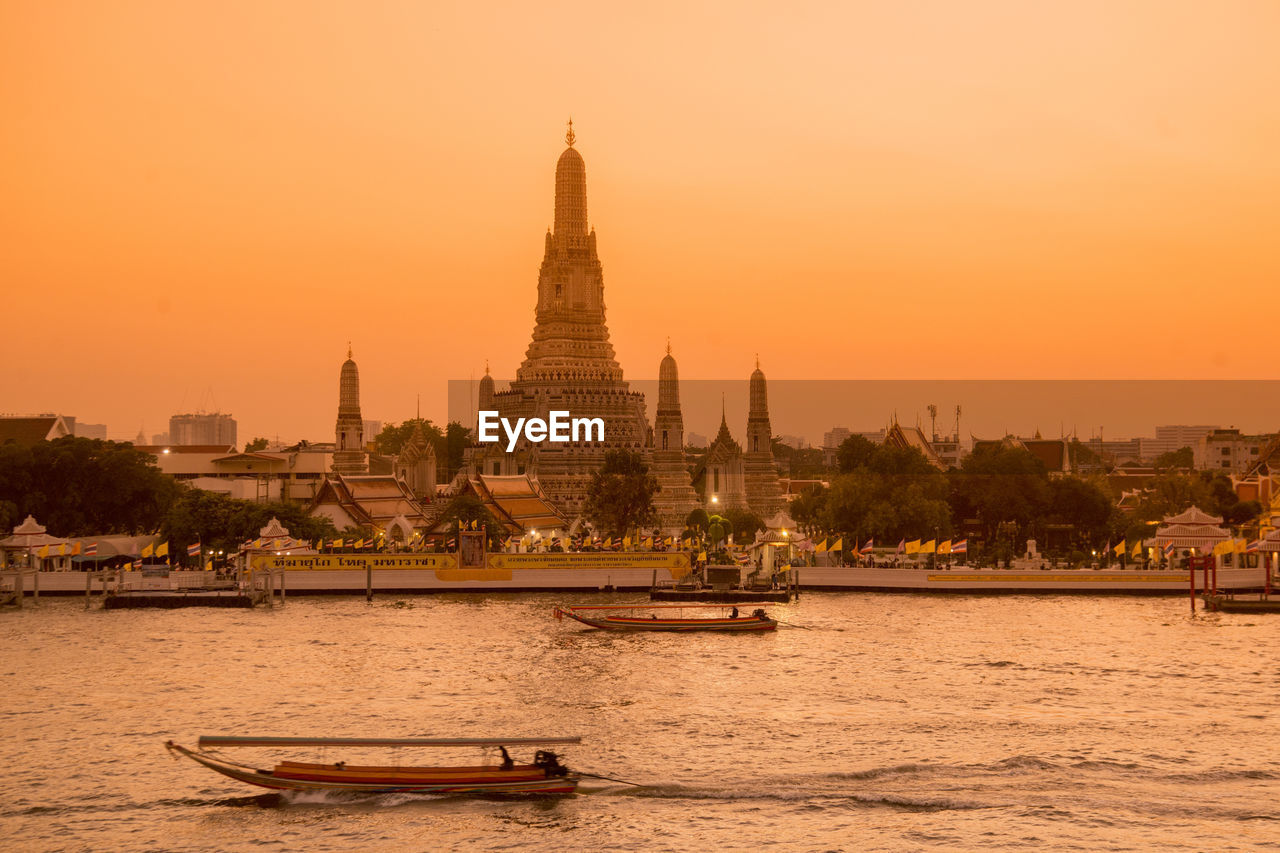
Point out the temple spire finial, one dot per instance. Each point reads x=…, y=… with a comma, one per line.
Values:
x=569, y=135
x=668, y=345
x=757, y=361
x=486, y=367
x=348, y=349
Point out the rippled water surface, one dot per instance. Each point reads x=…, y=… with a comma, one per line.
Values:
x=886, y=723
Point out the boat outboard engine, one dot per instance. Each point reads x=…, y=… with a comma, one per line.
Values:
x=760, y=614
x=550, y=763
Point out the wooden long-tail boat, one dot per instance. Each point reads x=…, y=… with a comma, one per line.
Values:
x=658, y=617
x=545, y=775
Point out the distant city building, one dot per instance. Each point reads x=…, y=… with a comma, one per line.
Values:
x=98, y=431
x=27, y=430
x=696, y=439
x=1229, y=451
x=159, y=438
x=796, y=442
x=835, y=437
x=201, y=428
x=832, y=440
x=1171, y=438
x=371, y=430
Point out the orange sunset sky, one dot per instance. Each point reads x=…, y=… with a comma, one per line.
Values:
x=203, y=202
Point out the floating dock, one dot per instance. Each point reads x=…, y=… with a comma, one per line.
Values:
x=171, y=599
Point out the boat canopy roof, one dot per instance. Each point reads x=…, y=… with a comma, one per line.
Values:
x=237, y=740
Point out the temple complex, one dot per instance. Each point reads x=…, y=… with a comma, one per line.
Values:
x=570, y=362
x=349, y=455
x=570, y=366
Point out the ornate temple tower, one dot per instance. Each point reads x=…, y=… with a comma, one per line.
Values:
x=349, y=456
x=721, y=474
x=763, y=492
x=416, y=464
x=676, y=497
x=570, y=363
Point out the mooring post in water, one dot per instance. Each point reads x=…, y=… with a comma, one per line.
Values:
x=282, y=576
x=88, y=588
x=368, y=580
x=35, y=585
x=1191, y=572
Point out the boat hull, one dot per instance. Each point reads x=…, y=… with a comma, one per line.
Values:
x=618, y=623
x=291, y=776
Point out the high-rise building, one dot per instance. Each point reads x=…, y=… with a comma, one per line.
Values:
x=201, y=428
x=91, y=431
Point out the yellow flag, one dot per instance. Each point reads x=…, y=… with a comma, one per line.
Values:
x=608, y=543
x=822, y=547
x=945, y=547
x=359, y=544
x=1242, y=546
x=162, y=550
x=702, y=556
x=626, y=541
x=1119, y=549
x=44, y=553
x=838, y=545
x=148, y=550
x=75, y=549
x=929, y=547
x=1137, y=550
x=208, y=567
x=913, y=547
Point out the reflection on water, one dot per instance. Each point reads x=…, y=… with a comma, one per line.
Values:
x=895, y=722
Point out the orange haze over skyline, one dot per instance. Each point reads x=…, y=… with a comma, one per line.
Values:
x=205, y=201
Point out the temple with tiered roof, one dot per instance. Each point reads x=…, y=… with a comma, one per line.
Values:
x=570, y=364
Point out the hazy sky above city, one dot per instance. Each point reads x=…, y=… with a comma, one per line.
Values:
x=203, y=202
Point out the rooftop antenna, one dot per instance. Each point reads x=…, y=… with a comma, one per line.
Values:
x=957, y=422
x=933, y=421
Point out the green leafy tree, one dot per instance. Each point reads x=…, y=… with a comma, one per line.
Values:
x=1184, y=458
x=620, y=496
x=467, y=508
x=82, y=486
x=855, y=452
x=257, y=444
x=743, y=524
x=222, y=523
x=997, y=485
x=885, y=492
x=697, y=519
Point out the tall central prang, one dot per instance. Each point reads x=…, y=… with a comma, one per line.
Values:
x=570, y=363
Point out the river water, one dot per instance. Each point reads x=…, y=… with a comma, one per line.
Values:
x=888, y=722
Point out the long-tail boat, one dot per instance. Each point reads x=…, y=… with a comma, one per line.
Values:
x=658, y=617
x=545, y=775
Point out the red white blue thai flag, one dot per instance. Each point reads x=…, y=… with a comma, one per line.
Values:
x=866, y=548
x=1252, y=547
x=960, y=546
x=193, y=550
x=1169, y=549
